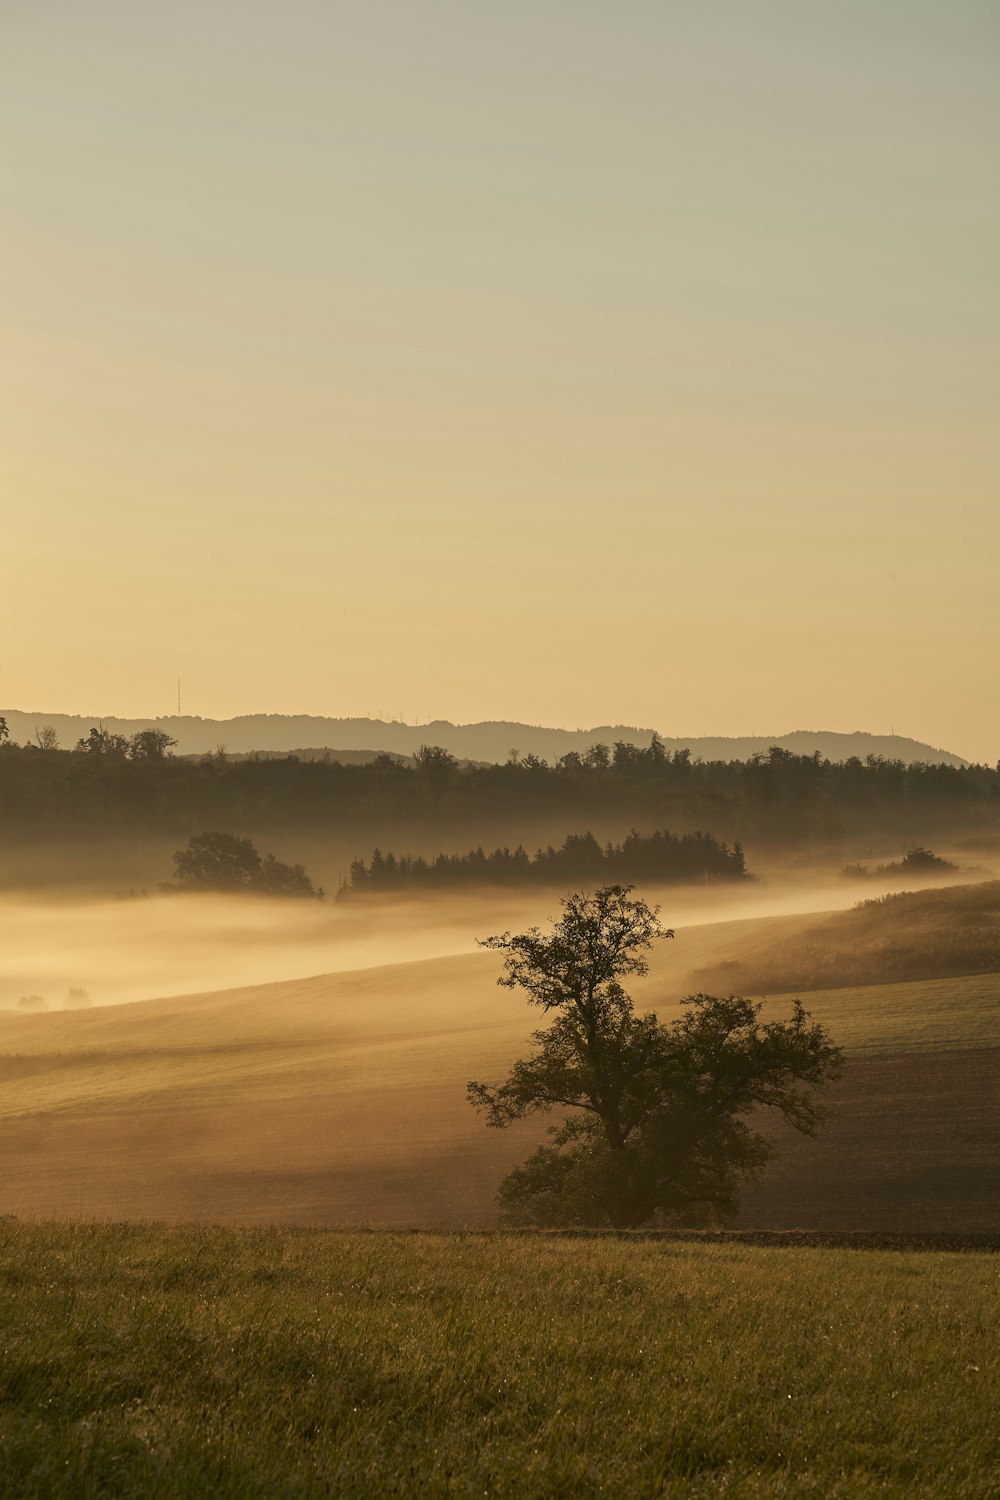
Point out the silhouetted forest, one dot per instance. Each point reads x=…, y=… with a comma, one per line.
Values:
x=112, y=783
x=662, y=856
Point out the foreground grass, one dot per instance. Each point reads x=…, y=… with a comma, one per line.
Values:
x=140, y=1360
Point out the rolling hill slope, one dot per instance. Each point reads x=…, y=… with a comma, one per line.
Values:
x=341, y=1099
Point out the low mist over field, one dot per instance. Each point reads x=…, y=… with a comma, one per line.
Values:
x=124, y=950
x=135, y=947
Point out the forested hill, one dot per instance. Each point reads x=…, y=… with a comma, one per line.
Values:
x=488, y=741
x=115, y=783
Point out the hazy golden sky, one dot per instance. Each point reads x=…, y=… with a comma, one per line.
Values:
x=561, y=361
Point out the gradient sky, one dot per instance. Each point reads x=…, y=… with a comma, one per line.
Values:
x=556, y=361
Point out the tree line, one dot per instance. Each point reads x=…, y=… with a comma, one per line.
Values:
x=111, y=782
x=146, y=744
x=660, y=856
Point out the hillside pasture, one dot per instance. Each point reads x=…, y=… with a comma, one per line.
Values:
x=913, y=934
x=340, y=1099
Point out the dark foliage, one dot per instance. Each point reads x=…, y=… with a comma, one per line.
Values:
x=655, y=1116
x=775, y=796
x=147, y=744
x=225, y=862
x=661, y=856
x=916, y=861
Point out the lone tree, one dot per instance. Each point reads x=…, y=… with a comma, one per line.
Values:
x=226, y=862
x=654, y=1125
x=150, y=744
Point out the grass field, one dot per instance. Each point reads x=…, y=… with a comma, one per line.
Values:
x=181, y=1362
x=340, y=1100
x=914, y=934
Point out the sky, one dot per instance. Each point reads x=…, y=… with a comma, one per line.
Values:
x=551, y=361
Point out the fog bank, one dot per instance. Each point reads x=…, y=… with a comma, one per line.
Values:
x=124, y=950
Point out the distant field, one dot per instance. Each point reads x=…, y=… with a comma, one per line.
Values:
x=915, y=934
x=340, y=1099
x=172, y=1363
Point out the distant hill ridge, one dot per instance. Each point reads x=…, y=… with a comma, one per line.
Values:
x=492, y=740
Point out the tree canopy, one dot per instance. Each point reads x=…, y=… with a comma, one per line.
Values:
x=659, y=856
x=654, y=1120
x=108, y=782
x=147, y=744
x=224, y=862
